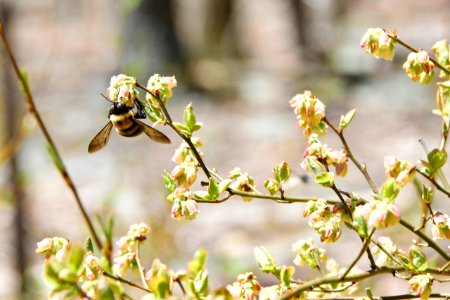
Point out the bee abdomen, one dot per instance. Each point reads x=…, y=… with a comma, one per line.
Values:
x=125, y=125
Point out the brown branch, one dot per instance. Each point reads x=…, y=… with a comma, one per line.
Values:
x=54, y=151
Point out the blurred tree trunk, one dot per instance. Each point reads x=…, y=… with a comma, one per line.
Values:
x=11, y=111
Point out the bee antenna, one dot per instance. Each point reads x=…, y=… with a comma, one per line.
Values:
x=106, y=98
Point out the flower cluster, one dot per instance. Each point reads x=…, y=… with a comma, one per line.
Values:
x=442, y=51
x=52, y=246
x=245, y=287
x=310, y=112
x=179, y=181
x=125, y=257
x=281, y=174
x=318, y=157
x=325, y=220
x=241, y=182
x=441, y=226
x=420, y=285
x=122, y=88
x=418, y=66
x=160, y=87
x=399, y=173
x=378, y=43
x=400, y=170
x=74, y=270
x=307, y=253
x=376, y=214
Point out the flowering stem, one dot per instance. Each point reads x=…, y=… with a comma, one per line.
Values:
x=120, y=279
x=411, y=48
x=56, y=157
x=141, y=270
x=183, y=136
x=278, y=199
x=362, y=168
x=354, y=278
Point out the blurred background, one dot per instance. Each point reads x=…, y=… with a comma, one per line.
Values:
x=239, y=62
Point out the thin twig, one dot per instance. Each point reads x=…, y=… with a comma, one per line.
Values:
x=57, y=157
x=361, y=167
x=361, y=252
x=141, y=269
x=123, y=280
x=434, y=182
x=353, y=278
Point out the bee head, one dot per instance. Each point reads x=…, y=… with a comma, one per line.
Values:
x=118, y=108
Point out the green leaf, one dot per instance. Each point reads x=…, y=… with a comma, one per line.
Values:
x=75, y=257
x=51, y=271
x=189, y=117
x=427, y=194
x=183, y=128
x=198, y=262
x=437, y=158
x=265, y=260
x=201, y=283
x=390, y=189
x=213, y=189
x=417, y=258
x=345, y=120
x=325, y=179
x=224, y=184
x=286, y=273
x=314, y=166
x=282, y=172
x=203, y=195
x=88, y=246
x=153, y=113
x=169, y=183
x=361, y=225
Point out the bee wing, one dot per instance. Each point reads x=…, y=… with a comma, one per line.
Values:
x=101, y=139
x=153, y=133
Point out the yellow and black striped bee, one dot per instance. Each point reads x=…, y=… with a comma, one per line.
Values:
x=126, y=123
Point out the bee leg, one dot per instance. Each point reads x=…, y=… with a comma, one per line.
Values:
x=140, y=113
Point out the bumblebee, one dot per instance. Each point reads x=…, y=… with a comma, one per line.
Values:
x=126, y=123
